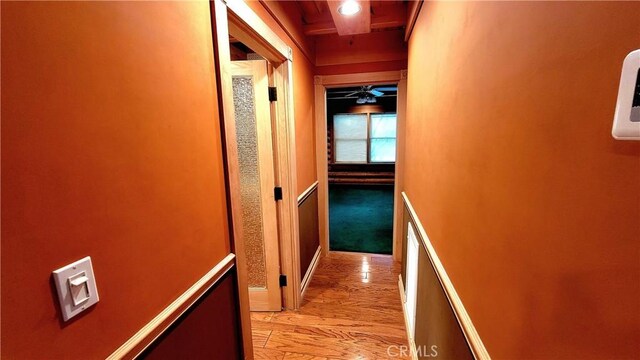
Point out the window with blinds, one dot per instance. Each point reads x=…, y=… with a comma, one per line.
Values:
x=364, y=138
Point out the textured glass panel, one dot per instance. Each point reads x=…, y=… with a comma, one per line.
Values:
x=247, y=138
x=350, y=126
x=383, y=150
x=351, y=151
x=383, y=125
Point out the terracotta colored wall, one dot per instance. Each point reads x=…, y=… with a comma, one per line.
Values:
x=110, y=148
x=303, y=72
x=532, y=206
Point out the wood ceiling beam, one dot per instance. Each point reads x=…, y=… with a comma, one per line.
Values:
x=359, y=23
x=393, y=17
x=389, y=17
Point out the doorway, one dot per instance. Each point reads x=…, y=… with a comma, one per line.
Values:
x=323, y=87
x=361, y=154
x=234, y=20
x=250, y=78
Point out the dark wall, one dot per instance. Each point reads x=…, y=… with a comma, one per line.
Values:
x=209, y=330
x=309, y=230
x=436, y=324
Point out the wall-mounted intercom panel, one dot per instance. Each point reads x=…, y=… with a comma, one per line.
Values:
x=626, y=121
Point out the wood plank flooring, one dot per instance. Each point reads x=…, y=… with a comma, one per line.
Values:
x=351, y=310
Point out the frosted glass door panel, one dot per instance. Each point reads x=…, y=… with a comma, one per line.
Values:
x=247, y=138
x=351, y=151
x=383, y=150
x=250, y=88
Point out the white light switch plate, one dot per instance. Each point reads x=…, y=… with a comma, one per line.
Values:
x=76, y=287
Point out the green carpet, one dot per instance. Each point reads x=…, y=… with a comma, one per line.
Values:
x=361, y=218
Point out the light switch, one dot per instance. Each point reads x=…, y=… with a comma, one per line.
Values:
x=76, y=287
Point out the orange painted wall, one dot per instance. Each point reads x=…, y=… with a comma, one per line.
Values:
x=303, y=72
x=532, y=206
x=110, y=148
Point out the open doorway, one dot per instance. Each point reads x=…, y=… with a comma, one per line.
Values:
x=323, y=86
x=361, y=154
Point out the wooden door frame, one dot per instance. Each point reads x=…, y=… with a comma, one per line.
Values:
x=322, y=83
x=251, y=30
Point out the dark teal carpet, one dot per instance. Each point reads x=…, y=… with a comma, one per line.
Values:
x=361, y=218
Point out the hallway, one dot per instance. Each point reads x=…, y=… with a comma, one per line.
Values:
x=351, y=310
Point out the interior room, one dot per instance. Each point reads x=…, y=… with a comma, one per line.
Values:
x=361, y=151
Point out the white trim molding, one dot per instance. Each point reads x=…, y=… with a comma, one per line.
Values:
x=403, y=300
x=305, y=194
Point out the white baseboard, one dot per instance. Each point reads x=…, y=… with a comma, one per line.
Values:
x=403, y=299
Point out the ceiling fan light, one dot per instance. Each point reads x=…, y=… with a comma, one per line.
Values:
x=361, y=100
x=349, y=7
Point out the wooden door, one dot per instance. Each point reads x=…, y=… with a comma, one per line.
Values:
x=256, y=171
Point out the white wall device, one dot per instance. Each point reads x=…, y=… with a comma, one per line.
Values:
x=626, y=121
x=76, y=287
x=413, y=249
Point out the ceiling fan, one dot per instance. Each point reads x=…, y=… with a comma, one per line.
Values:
x=367, y=94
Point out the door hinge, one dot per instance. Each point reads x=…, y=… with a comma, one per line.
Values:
x=283, y=280
x=273, y=93
x=277, y=193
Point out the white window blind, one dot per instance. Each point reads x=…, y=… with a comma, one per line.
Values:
x=350, y=133
x=360, y=138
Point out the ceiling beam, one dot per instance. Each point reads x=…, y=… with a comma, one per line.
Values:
x=359, y=23
x=393, y=17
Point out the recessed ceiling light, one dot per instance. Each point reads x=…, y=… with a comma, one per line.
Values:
x=349, y=7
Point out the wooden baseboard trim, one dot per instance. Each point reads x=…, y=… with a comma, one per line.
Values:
x=305, y=194
x=310, y=271
x=473, y=339
x=158, y=325
x=403, y=300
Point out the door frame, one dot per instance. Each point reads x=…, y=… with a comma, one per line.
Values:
x=321, y=84
x=249, y=28
x=268, y=298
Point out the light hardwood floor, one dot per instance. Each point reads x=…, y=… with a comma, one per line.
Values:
x=351, y=310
